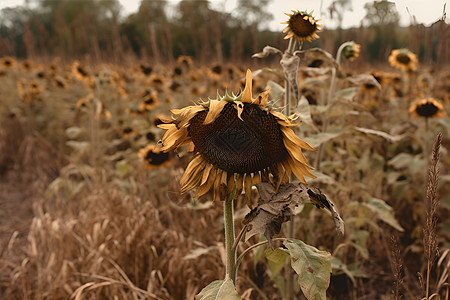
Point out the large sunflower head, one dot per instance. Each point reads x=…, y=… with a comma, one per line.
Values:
x=302, y=26
x=403, y=59
x=236, y=135
x=427, y=108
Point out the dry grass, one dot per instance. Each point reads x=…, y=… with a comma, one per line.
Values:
x=105, y=227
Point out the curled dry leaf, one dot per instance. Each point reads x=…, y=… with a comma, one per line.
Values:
x=266, y=52
x=364, y=79
x=276, y=207
x=386, y=136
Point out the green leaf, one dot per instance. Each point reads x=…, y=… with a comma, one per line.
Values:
x=277, y=259
x=313, y=268
x=219, y=290
x=383, y=211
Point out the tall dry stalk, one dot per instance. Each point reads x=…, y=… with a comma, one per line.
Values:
x=429, y=230
x=397, y=266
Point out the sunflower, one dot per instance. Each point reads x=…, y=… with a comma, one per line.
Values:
x=427, y=108
x=351, y=51
x=403, y=59
x=153, y=158
x=302, y=26
x=7, y=62
x=81, y=73
x=26, y=65
x=184, y=60
x=236, y=135
x=149, y=101
x=127, y=132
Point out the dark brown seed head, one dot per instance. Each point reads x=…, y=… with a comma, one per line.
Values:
x=237, y=146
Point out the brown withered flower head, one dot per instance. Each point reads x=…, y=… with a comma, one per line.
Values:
x=302, y=26
x=236, y=135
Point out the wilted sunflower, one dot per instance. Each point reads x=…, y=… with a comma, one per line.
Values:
x=351, y=51
x=184, y=60
x=403, y=59
x=81, y=73
x=302, y=26
x=7, y=62
x=153, y=158
x=427, y=108
x=236, y=135
x=149, y=101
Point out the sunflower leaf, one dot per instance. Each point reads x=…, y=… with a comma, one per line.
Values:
x=313, y=267
x=386, y=136
x=276, y=207
x=219, y=289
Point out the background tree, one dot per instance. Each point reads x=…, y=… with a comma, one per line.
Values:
x=382, y=18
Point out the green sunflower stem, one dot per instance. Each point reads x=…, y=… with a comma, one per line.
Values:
x=289, y=274
x=228, y=212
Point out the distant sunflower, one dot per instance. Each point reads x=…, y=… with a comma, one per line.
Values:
x=79, y=71
x=351, y=51
x=145, y=69
x=149, y=101
x=82, y=74
x=236, y=135
x=153, y=158
x=302, y=26
x=59, y=82
x=403, y=59
x=26, y=65
x=427, y=108
x=127, y=132
x=184, y=60
x=7, y=62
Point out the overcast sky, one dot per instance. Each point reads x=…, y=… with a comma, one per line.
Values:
x=425, y=11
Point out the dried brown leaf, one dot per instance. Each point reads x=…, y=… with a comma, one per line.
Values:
x=276, y=207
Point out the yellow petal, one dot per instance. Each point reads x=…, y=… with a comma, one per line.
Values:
x=217, y=182
x=295, y=151
x=239, y=107
x=206, y=173
x=247, y=93
x=289, y=133
x=215, y=107
x=192, y=176
x=263, y=98
x=175, y=139
x=191, y=147
x=300, y=170
x=239, y=185
x=206, y=186
x=248, y=189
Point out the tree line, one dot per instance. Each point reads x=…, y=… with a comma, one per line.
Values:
x=160, y=31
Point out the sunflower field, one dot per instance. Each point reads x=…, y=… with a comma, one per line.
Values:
x=299, y=172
